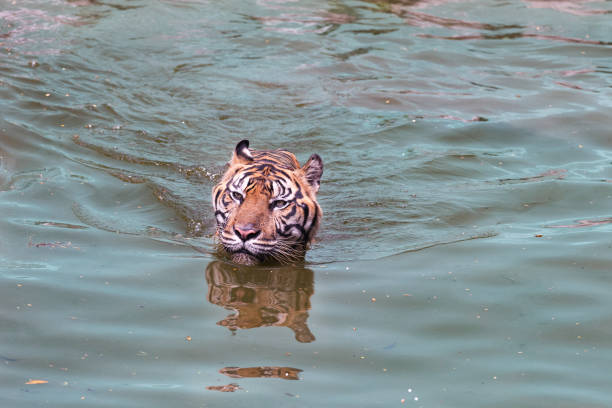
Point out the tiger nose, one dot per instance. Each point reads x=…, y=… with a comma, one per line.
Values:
x=246, y=232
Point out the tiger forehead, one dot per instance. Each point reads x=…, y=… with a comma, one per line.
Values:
x=262, y=183
x=262, y=171
x=281, y=159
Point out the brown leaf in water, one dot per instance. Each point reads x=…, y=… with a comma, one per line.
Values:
x=36, y=382
x=224, y=388
x=285, y=373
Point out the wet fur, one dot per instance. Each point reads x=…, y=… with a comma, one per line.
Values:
x=268, y=196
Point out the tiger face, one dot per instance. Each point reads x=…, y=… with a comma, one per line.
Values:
x=265, y=205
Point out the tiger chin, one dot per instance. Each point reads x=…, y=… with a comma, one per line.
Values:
x=266, y=207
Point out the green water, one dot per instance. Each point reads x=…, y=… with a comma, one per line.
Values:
x=465, y=255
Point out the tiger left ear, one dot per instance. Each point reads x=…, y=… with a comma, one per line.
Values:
x=313, y=170
x=242, y=154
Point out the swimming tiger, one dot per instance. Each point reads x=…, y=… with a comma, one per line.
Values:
x=266, y=207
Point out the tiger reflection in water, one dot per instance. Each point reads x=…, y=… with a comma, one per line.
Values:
x=262, y=296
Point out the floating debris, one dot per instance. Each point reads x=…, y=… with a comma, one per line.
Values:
x=56, y=244
x=285, y=373
x=224, y=388
x=36, y=382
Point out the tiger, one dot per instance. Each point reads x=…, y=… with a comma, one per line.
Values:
x=265, y=205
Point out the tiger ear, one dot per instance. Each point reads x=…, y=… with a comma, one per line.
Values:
x=313, y=170
x=242, y=154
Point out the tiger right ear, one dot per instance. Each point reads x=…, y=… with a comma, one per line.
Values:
x=242, y=154
x=313, y=170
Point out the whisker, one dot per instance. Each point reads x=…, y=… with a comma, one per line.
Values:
x=286, y=253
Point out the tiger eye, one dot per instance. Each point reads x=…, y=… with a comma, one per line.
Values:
x=280, y=204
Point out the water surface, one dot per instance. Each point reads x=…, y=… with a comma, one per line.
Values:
x=465, y=254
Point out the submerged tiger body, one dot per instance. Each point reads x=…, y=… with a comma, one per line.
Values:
x=265, y=205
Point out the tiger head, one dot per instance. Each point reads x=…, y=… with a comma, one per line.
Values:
x=265, y=205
